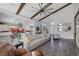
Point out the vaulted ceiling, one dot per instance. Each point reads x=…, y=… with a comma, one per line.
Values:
x=36, y=11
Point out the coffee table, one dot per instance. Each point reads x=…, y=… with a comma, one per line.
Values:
x=21, y=43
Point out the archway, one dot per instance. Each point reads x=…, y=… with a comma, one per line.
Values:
x=76, y=29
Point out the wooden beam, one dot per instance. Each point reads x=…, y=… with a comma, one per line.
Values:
x=56, y=11
x=41, y=10
x=75, y=26
x=2, y=23
x=20, y=8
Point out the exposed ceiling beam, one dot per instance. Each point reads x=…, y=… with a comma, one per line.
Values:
x=7, y=23
x=20, y=8
x=2, y=23
x=56, y=11
x=41, y=10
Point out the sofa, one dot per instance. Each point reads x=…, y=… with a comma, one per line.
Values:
x=7, y=49
x=36, y=41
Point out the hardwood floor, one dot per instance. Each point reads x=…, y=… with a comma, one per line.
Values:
x=61, y=47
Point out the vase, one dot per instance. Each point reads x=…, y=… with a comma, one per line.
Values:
x=17, y=37
x=16, y=40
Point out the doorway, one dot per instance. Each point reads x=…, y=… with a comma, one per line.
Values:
x=76, y=29
x=51, y=27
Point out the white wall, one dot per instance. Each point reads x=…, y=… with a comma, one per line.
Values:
x=66, y=15
x=16, y=19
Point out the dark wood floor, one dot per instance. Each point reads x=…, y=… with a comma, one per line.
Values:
x=61, y=47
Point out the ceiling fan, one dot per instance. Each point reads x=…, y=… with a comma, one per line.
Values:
x=43, y=11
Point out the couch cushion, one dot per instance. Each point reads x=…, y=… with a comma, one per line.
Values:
x=20, y=52
x=38, y=42
x=35, y=37
x=6, y=49
x=27, y=39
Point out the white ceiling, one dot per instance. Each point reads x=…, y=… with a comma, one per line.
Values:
x=29, y=9
x=11, y=7
x=54, y=6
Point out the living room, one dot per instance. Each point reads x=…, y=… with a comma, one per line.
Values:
x=42, y=29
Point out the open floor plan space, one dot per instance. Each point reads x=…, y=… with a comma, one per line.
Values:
x=39, y=29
